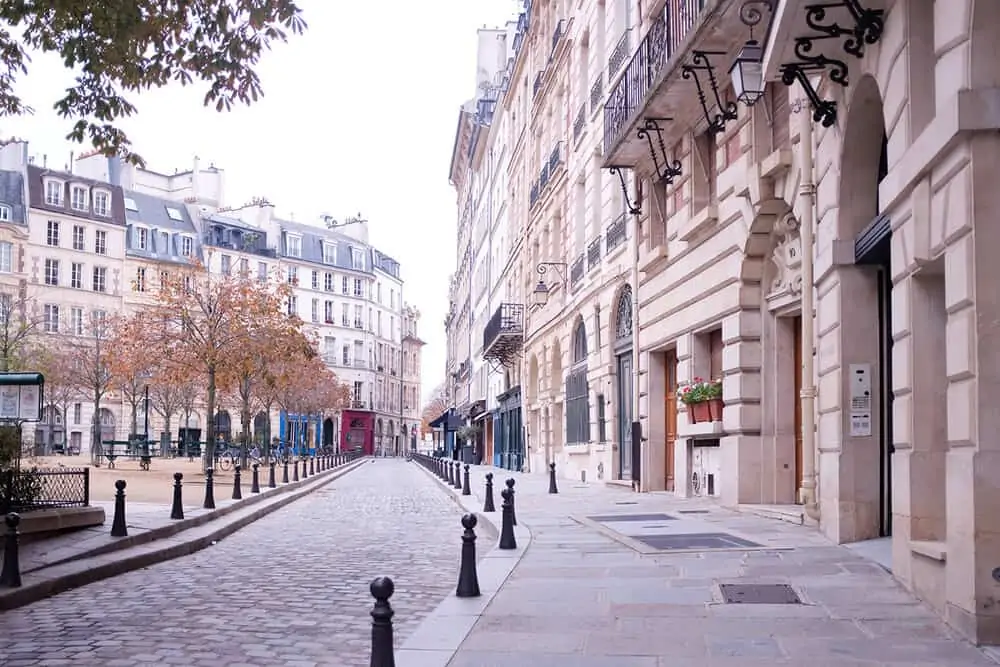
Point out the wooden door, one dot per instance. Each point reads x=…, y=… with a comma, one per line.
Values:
x=797, y=387
x=670, y=418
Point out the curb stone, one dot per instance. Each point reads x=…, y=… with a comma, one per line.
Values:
x=165, y=544
x=437, y=639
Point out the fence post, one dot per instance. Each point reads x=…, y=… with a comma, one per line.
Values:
x=86, y=487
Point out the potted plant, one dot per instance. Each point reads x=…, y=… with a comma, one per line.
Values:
x=700, y=395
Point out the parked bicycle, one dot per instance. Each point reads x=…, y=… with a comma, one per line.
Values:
x=228, y=458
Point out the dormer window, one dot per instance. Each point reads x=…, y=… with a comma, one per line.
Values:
x=130, y=205
x=358, y=258
x=174, y=214
x=141, y=238
x=187, y=246
x=4, y=213
x=102, y=203
x=329, y=253
x=293, y=245
x=53, y=192
x=78, y=198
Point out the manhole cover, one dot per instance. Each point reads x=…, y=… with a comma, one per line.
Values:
x=611, y=518
x=759, y=594
x=694, y=541
x=627, y=502
x=692, y=511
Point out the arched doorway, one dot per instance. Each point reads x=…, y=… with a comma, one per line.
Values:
x=577, y=389
x=622, y=349
x=260, y=428
x=50, y=434
x=328, y=435
x=223, y=426
x=866, y=320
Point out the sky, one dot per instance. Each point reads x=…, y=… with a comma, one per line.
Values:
x=358, y=115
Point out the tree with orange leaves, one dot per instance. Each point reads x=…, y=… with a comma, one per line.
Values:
x=88, y=361
x=130, y=361
x=433, y=409
x=205, y=321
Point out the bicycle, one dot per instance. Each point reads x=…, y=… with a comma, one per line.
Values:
x=227, y=459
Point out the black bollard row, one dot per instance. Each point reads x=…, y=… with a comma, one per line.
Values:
x=237, y=486
x=458, y=475
x=468, y=579
x=466, y=489
x=488, y=503
x=295, y=470
x=513, y=514
x=382, y=613
x=209, y=489
x=271, y=483
x=177, y=508
x=507, y=539
x=10, y=573
x=552, y=478
x=284, y=472
x=118, y=526
x=255, y=480
x=312, y=470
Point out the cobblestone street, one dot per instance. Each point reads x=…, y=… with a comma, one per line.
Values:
x=290, y=589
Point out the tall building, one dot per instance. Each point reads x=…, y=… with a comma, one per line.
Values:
x=795, y=221
x=410, y=371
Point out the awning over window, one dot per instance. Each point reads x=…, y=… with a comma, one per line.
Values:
x=447, y=420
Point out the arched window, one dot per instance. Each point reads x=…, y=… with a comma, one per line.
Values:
x=577, y=390
x=623, y=317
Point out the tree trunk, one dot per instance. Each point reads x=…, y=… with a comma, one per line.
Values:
x=210, y=423
x=96, y=446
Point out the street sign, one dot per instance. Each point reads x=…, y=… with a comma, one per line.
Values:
x=21, y=396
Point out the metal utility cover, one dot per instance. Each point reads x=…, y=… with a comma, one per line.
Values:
x=694, y=541
x=759, y=594
x=612, y=518
x=692, y=511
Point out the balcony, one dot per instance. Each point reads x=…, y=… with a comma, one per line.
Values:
x=597, y=93
x=533, y=195
x=594, y=253
x=579, y=122
x=539, y=80
x=360, y=405
x=576, y=272
x=557, y=36
x=616, y=234
x=651, y=84
x=543, y=179
x=619, y=54
x=504, y=333
x=555, y=158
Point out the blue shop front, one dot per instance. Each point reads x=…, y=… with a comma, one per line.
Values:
x=303, y=432
x=508, y=431
x=445, y=426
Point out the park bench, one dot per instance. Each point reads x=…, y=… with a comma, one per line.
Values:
x=112, y=449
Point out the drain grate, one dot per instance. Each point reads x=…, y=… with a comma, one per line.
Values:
x=759, y=594
x=612, y=518
x=707, y=541
x=692, y=511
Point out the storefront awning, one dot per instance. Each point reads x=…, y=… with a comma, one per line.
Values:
x=447, y=420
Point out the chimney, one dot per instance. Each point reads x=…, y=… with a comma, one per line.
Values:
x=72, y=167
x=45, y=161
x=195, y=173
x=115, y=170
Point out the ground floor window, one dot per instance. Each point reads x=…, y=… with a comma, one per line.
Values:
x=577, y=407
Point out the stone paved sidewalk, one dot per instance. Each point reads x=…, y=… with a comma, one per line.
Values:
x=587, y=593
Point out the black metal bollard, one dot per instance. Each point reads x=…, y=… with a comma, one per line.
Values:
x=466, y=489
x=295, y=470
x=209, y=489
x=449, y=470
x=507, y=539
x=458, y=475
x=552, y=478
x=10, y=575
x=305, y=470
x=270, y=477
x=118, y=526
x=177, y=508
x=312, y=470
x=488, y=505
x=382, y=613
x=468, y=580
x=284, y=472
x=513, y=514
x=237, y=487
x=255, y=479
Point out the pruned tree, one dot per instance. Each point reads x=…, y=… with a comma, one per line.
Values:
x=88, y=361
x=62, y=389
x=205, y=322
x=126, y=46
x=170, y=396
x=19, y=347
x=129, y=360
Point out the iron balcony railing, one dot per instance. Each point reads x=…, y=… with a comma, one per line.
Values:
x=576, y=271
x=507, y=320
x=557, y=35
x=616, y=233
x=543, y=178
x=539, y=78
x=533, y=197
x=596, y=93
x=661, y=42
x=578, y=123
x=594, y=253
x=619, y=54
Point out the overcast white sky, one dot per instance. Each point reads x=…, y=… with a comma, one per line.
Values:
x=359, y=115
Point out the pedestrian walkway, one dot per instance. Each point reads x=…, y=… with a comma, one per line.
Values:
x=288, y=590
x=599, y=587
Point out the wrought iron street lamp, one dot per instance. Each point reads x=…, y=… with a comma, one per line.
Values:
x=747, y=73
x=540, y=295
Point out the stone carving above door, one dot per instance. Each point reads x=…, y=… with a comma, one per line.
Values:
x=786, y=261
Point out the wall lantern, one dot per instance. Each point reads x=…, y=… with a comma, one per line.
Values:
x=747, y=73
x=540, y=295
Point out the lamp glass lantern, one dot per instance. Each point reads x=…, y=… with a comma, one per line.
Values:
x=747, y=73
x=540, y=295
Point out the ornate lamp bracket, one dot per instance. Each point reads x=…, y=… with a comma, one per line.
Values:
x=636, y=208
x=666, y=169
x=543, y=267
x=700, y=62
x=824, y=111
x=867, y=30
